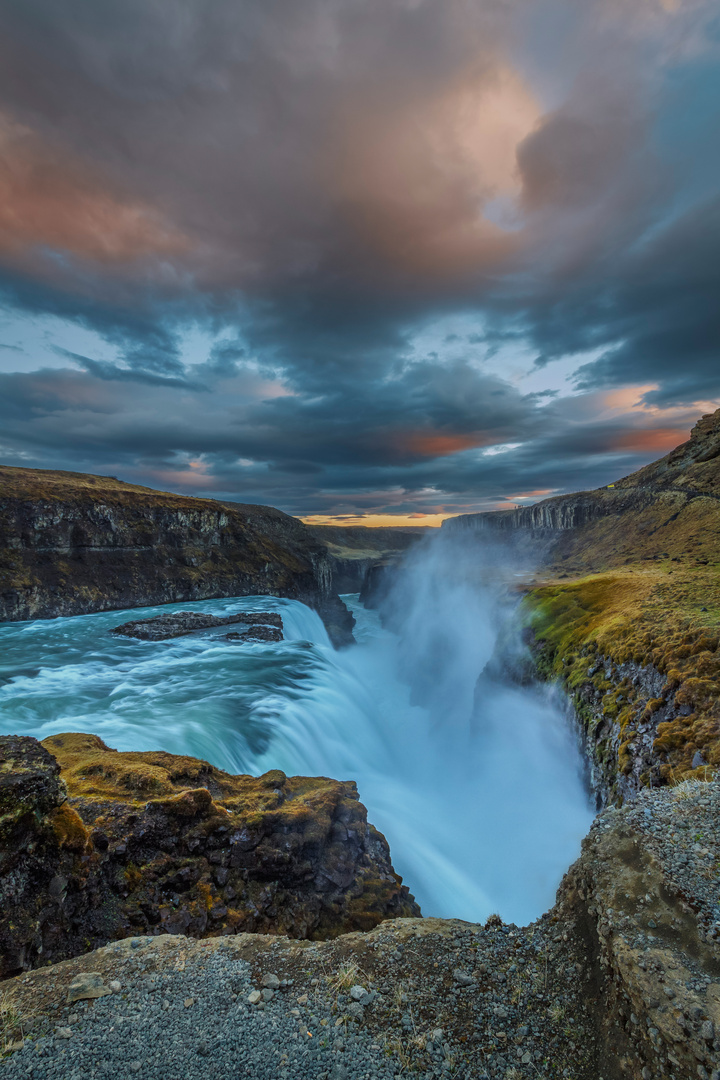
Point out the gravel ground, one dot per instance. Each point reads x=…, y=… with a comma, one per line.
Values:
x=680, y=829
x=443, y=998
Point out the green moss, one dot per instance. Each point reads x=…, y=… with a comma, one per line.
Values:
x=586, y=628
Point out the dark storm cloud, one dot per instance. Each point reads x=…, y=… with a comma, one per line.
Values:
x=419, y=451
x=310, y=185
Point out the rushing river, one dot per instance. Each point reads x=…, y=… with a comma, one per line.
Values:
x=477, y=786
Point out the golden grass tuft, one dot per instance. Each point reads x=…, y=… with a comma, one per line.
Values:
x=15, y=1019
x=69, y=829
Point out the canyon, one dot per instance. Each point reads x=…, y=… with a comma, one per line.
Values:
x=623, y=610
x=620, y=608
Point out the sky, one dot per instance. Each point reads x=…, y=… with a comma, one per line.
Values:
x=373, y=261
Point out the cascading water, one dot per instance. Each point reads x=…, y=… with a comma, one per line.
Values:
x=476, y=782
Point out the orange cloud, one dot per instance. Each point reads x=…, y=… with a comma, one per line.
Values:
x=439, y=445
x=413, y=179
x=657, y=440
x=377, y=521
x=628, y=398
x=537, y=493
x=50, y=201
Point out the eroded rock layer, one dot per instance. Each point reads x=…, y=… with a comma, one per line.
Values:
x=97, y=844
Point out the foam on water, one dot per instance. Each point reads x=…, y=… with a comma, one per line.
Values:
x=477, y=785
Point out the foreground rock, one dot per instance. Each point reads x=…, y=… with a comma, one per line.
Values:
x=156, y=843
x=619, y=981
x=262, y=625
x=73, y=543
x=645, y=895
x=193, y=1009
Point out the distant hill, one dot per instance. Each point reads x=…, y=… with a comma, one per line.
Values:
x=360, y=540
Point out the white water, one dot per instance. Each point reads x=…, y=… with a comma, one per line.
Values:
x=477, y=785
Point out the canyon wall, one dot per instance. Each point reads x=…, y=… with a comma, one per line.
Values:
x=356, y=551
x=670, y=485
x=623, y=606
x=73, y=543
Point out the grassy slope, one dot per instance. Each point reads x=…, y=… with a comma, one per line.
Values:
x=644, y=585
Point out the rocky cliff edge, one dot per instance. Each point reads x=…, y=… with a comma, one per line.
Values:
x=96, y=844
x=619, y=981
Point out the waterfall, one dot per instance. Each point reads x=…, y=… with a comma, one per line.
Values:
x=476, y=781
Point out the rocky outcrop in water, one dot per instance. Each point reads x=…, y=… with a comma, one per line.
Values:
x=97, y=844
x=262, y=625
x=73, y=543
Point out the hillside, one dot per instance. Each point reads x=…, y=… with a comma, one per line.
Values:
x=74, y=543
x=625, y=611
x=360, y=541
x=669, y=509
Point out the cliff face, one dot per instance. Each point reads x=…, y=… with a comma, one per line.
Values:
x=551, y=515
x=642, y=896
x=96, y=845
x=626, y=612
x=638, y=652
x=73, y=543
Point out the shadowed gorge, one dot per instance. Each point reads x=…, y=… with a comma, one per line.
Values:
x=449, y=715
x=359, y=540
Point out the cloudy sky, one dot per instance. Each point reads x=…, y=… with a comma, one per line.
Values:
x=383, y=258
